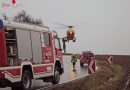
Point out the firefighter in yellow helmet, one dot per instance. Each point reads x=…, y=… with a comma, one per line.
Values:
x=74, y=60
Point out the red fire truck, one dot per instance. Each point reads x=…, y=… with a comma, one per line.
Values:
x=28, y=52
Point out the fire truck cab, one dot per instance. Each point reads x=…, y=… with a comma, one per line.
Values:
x=28, y=52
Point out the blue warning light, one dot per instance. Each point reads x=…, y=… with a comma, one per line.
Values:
x=1, y=23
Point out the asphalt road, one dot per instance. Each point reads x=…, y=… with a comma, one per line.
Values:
x=68, y=75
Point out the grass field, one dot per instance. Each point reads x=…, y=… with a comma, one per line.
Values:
x=108, y=77
x=124, y=61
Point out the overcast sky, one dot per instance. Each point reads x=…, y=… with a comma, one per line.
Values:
x=106, y=23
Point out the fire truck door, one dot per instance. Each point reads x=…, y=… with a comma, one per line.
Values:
x=57, y=49
x=47, y=47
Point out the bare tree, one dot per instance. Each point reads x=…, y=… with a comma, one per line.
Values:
x=24, y=17
x=38, y=21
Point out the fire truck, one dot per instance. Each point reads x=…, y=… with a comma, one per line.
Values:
x=28, y=52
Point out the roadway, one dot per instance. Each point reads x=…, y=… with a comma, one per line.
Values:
x=68, y=75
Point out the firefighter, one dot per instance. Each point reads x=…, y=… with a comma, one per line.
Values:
x=74, y=60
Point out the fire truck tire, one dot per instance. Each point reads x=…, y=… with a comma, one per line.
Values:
x=56, y=77
x=26, y=80
x=25, y=83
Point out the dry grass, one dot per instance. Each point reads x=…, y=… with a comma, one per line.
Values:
x=124, y=61
x=108, y=78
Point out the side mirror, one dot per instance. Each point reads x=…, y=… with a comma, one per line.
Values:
x=74, y=39
x=64, y=45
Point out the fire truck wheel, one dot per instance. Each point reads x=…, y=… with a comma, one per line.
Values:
x=26, y=80
x=25, y=83
x=56, y=76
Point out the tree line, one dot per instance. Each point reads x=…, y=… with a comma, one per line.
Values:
x=26, y=18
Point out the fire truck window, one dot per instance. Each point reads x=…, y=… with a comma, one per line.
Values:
x=42, y=38
x=57, y=43
x=46, y=39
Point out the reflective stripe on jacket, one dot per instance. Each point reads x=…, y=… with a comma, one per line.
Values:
x=73, y=58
